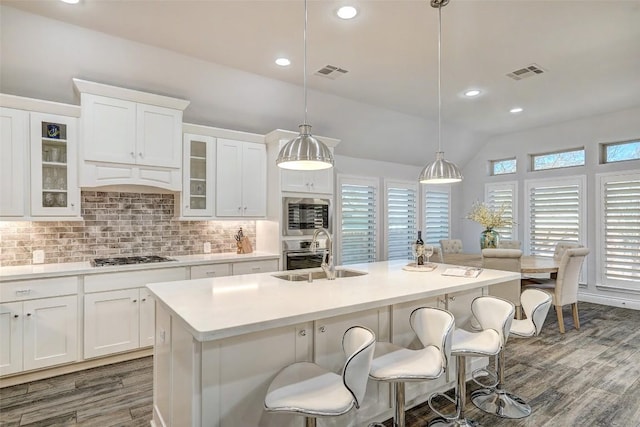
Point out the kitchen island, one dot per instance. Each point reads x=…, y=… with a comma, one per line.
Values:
x=219, y=342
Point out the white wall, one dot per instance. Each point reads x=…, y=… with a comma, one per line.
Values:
x=587, y=133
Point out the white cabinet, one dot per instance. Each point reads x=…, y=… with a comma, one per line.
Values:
x=320, y=181
x=197, y=175
x=54, y=174
x=117, y=321
x=14, y=128
x=38, y=333
x=250, y=267
x=241, y=179
x=209, y=271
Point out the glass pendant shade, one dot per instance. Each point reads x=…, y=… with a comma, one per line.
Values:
x=305, y=152
x=440, y=172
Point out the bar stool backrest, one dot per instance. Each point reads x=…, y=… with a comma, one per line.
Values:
x=566, y=291
x=494, y=313
x=434, y=327
x=358, y=344
x=536, y=304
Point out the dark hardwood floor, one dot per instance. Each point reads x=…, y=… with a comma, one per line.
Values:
x=589, y=377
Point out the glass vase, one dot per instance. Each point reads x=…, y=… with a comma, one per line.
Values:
x=489, y=239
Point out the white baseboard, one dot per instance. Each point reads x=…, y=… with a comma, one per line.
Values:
x=609, y=300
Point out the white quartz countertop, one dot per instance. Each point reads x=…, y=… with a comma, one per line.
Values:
x=223, y=307
x=38, y=271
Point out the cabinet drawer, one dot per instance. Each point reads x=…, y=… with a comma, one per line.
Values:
x=131, y=279
x=21, y=290
x=212, y=270
x=249, y=267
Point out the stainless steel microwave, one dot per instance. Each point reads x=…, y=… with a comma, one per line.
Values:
x=302, y=216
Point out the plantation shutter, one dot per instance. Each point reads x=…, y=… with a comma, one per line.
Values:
x=402, y=221
x=436, y=216
x=504, y=194
x=620, y=244
x=359, y=223
x=554, y=214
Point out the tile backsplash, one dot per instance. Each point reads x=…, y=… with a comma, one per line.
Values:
x=117, y=224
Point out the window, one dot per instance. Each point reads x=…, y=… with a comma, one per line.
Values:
x=436, y=214
x=554, y=212
x=357, y=222
x=402, y=220
x=620, y=151
x=619, y=244
x=501, y=167
x=504, y=194
x=563, y=159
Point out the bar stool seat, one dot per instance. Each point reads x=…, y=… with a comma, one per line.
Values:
x=397, y=365
x=307, y=389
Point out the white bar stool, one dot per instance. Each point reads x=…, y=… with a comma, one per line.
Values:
x=495, y=316
x=307, y=389
x=496, y=400
x=397, y=365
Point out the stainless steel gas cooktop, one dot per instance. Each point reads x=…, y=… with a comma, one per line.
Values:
x=103, y=262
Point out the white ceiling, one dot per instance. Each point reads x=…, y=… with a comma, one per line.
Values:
x=589, y=49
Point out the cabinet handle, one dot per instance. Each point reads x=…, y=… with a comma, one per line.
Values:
x=28, y=314
x=210, y=273
x=256, y=268
x=133, y=154
x=245, y=208
x=186, y=206
x=23, y=292
x=303, y=333
x=144, y=299
x=15, y=316
x=135, y=300
x=323, y=329
x=141, y=155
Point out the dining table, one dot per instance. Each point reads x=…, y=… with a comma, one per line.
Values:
x=529, y=264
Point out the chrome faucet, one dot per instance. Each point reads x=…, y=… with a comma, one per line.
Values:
x=327, y=262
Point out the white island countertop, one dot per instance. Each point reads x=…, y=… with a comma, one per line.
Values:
x=219, y=308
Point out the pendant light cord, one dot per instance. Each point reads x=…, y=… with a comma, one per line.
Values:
x=439, y=76
x=304, y=65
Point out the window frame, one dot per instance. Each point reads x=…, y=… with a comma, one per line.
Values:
x=532, y=157
x=605, y=145
x=354, y=180
x=513, y=186
x=393, y=183
x=492, y=166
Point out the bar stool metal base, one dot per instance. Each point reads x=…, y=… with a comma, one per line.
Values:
x=462, y=422
x=500, y=403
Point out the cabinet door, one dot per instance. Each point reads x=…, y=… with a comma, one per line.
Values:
x=159, y=132
x=197, y=170
x=10, y=338
x=147, y=317
x=54, y=173
x=14, y=128
x=254, y=179
x=307, y=181
x=111, y=322
x=322, y=181
x=228, y=178
x=50, y=331
x=108, y=129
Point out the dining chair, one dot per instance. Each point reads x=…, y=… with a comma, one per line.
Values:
x=562, y=246
x=564, y=288
x=507, y=260
x=450, y=246
x=509, y=244
x=305, y=388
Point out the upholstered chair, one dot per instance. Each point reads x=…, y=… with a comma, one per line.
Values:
x=564, y=288
x=509, y=244
x=507, y=260
x=305, y=388
x=450, y=246
x=562, y=246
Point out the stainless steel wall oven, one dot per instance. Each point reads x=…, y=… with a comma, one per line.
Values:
x=302, y=216
x=297, y=254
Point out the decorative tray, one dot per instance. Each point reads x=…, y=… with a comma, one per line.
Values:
x=413, y=267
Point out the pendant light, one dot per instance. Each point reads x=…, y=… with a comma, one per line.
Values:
x=305, y=152
x=440, y=171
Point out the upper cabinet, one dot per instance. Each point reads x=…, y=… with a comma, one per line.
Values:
x=130, y=137
x=54, y=182
x=14, y=131
x=197, y=170
x=320, y=181
x=241, y=171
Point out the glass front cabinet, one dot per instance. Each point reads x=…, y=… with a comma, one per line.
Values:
x=54, y=182
x=198, y=176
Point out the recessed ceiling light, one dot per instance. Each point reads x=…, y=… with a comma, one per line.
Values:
x=71, y=1
x=472, y=93
x=283, y=62
x=516, y=110
x=347, y=12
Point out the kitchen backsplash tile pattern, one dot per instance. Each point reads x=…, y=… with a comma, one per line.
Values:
x=117, y=224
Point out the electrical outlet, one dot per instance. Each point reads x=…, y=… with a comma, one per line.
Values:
x=207, y=247
x=38, y=256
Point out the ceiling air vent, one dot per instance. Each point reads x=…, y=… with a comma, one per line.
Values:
x=528, y=71
x=331, y=72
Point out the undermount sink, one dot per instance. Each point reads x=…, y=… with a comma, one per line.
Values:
x=315, y=275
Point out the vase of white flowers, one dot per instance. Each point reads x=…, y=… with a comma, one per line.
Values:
x=490, y=218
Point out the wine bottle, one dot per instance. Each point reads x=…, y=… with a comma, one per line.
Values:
x=420, y=249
